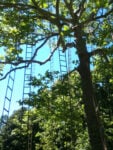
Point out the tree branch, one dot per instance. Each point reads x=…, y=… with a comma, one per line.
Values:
x=68, y=45
x=81, y=8
x=70, y=8
x=47, y=37
x=99, y=51
x=93, y=18
x=103, y=16
x=28, y=62
x=46, y=60
x=16, y=68
x=96, y=51
x=42, y=13
x=57, y=8
x=19, y=6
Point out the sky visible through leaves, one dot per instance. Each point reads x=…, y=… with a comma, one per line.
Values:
x=52, y=65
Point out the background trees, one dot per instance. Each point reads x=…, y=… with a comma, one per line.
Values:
x=57, y=119
x=52, y=119
x=84, y=22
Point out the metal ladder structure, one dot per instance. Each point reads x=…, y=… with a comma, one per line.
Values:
x=27, y=88
x=27, y=73
x=29, y=51
x=26, y=92
x=8, y=97
x=63, y=63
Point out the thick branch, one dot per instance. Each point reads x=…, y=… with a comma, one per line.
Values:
x=28, y=62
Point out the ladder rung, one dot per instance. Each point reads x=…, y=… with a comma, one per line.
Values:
x=28, y=68
x=27, y=77
x=27, y=84
x=62, y=59
x=11, y=78
x=6, y=110
x=27, y=87
x=28, y=52
x=28, y=58
x=61, y=56
x=26, y=93
x=27, y=80
x=9, y=88
x=60, y=50
x=62, y=65
x=64, y=71
x=7, y=98
x=28, y=47
x=26, y=74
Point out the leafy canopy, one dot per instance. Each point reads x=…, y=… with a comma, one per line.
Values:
x=38, y=21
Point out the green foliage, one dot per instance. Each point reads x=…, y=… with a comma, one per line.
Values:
x=33, y=21
x=58, y=110
x=37, y=19
x=104, y=92
x=57, y=120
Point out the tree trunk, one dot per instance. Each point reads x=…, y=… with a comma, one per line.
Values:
x=95, y=130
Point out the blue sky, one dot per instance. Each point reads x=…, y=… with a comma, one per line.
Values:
x=18, y=85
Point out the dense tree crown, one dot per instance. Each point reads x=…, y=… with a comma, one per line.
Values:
x=63, y=24
x=36, y=22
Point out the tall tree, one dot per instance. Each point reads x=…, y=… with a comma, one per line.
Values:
x=85, y=22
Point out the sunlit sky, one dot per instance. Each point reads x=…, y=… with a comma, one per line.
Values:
x=18, y=84
x=53, y=65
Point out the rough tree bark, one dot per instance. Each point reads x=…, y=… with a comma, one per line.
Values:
x=95, y=131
